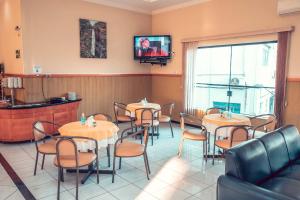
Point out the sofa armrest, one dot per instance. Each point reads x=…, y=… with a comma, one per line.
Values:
x=230, y=188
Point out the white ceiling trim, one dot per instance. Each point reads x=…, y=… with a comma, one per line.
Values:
x=119, y=5
x=178, y=6
x=137, y=9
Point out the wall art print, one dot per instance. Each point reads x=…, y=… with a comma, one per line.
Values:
x=92, y=39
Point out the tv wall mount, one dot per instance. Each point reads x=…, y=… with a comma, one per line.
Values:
x=156, y=61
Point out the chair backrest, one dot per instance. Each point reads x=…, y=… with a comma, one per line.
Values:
x=125, y=135
x=41, y=129
x=189, y=119
x=66, y=149
x=264, y=123
x=238, y=134
x=169, y=108
x=119, y=108
x=102, y=117
x=144, y=115
x=38, y=131
x=214, y=110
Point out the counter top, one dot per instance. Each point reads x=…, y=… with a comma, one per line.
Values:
x=36, y=105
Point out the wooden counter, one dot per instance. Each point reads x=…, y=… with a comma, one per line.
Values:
x=16, y=124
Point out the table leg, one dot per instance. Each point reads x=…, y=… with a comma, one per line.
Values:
x=91, y=170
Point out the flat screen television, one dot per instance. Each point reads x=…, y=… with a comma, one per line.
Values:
x=152, y=47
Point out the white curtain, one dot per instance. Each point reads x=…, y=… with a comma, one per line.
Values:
x=189, y=56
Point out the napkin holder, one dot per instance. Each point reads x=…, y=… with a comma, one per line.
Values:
x=90, y=122
x=144, y=102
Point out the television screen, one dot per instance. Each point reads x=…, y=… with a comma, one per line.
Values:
x=156, y=46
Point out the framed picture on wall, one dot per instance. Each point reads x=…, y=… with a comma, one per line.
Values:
x=92, y=39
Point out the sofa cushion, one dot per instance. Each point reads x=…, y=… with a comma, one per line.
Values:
x=292, y=172
x=276, y=149
x=292, y=139
x=285, y=186
x=248, y=162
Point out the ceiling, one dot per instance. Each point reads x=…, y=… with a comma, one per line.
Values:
x=148, y=6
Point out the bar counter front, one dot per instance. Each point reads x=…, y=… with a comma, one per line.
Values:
x=16, y=121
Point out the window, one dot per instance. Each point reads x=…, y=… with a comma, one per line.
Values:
x=240, y=78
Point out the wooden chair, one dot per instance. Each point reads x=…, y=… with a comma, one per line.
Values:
x=168, y=117
x=262, y=124
x=124, y=148
x=147, y=117
x=238, y=134
x=120, y=112
x=68, y=157
x=197, y=134
x=104, y=117
x=214, y=110
x=41, y=131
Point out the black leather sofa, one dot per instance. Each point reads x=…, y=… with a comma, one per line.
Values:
x=267, y=168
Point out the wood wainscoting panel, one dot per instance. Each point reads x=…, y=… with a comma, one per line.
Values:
x=97, y=92
x=166, y=89
x=292, y=111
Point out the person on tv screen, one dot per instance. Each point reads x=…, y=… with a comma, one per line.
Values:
x=146, y=50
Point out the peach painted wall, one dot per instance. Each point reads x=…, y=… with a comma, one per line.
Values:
x=10, y=40
x=218, y=17
x=51, y=37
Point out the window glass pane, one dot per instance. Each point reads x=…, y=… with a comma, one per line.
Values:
x=248, y=69
x=213, y=65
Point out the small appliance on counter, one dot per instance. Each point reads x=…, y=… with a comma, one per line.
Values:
x=72, y=96
x=55, y=100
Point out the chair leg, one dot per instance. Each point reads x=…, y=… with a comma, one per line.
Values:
x=208, y=141
x=146, y=166
x=171, y=127
x=157, y=132
x=108, y=154
x=43, y=161
x=97, y=163
x=77, y=181
x=62, y=175
x=131, y=124
x=148, y=163
x=114, y=169
x=213, y=156
x=58, y=183
x=36, y=161
x=142, y=137
x=180, y=147
x=152, y=135
x=205, y=151
x=120, y=163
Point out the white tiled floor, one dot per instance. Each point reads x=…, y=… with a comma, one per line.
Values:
x=188, y=177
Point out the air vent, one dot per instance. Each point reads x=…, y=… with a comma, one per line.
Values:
x=288, y=6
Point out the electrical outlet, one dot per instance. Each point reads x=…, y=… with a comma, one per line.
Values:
x=37, y=69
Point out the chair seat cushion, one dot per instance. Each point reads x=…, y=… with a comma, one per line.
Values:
x=285, y=186
x=49, y=147
x=164, y=118
x=146, y=121
x=225, y=144
x=129, y=149
x=123, y=118
x=194, y=135
x=84, y=159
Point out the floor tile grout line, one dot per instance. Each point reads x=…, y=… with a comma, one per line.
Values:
x=11, y=194
x=16, y=179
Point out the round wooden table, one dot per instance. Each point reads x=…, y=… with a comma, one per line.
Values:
x=134, y=106
x=105, y=133
x=212, y=121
